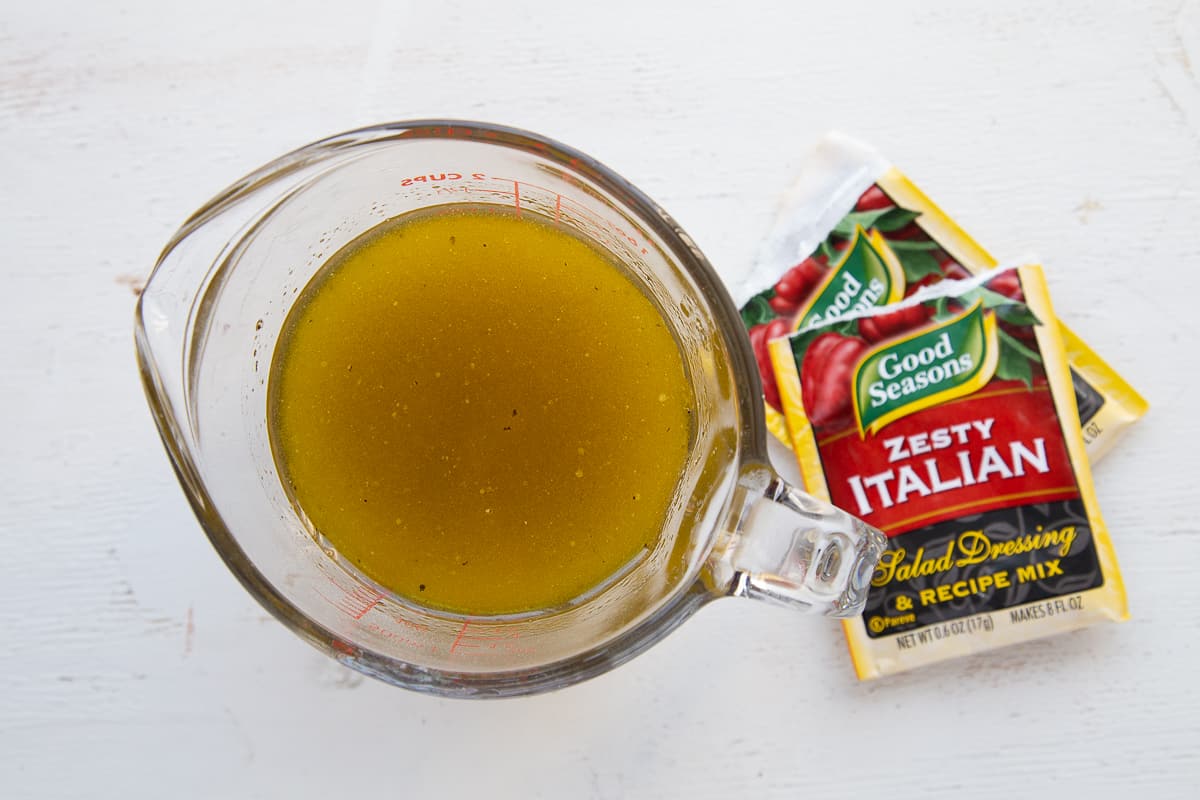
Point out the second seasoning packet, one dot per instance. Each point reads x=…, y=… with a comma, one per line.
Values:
x=950, y=423
x=850, y=206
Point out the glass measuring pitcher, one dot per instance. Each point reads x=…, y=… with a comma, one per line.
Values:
x=212, y=313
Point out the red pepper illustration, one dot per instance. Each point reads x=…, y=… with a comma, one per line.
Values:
x=952, y=269
x=825, y=377
x=885, y=326
x=798, y=281
x=782, y=306
x=872, y=199
x=1008, y=284
x=759, y=336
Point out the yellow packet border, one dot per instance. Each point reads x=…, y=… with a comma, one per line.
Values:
x=1128, y=405
x=1107, y=602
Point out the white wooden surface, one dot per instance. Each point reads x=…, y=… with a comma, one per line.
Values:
x=134, y=666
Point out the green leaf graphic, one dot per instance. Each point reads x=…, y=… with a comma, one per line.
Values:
x=1017, y=345
x=917, y=265
x=1017, y=314
x=904, y=245
x=867, y=219
x=757, y=310
x=1015, y=363
x=895, y=219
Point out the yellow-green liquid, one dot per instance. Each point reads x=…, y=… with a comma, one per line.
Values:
x=480, y=410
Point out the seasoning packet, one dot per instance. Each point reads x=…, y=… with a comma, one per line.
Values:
x=949, y=422
x=845, y=188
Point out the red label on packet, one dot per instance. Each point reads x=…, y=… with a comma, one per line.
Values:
x=985, y=451
x=949, y=422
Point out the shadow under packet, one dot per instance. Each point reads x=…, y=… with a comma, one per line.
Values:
x=949, y=422
x=853, y=232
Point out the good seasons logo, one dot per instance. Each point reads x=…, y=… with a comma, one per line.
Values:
x=867, y=275
x=949, y=360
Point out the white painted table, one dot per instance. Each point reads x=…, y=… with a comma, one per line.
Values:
x=135, y=666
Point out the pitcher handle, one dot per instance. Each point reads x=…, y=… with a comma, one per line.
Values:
x=789, y=548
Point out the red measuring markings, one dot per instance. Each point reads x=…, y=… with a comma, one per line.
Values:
x=438, y=177
x=354, y=603
x=402, y=639
x=598, y=221
x=506, y=643
x=436, y=181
